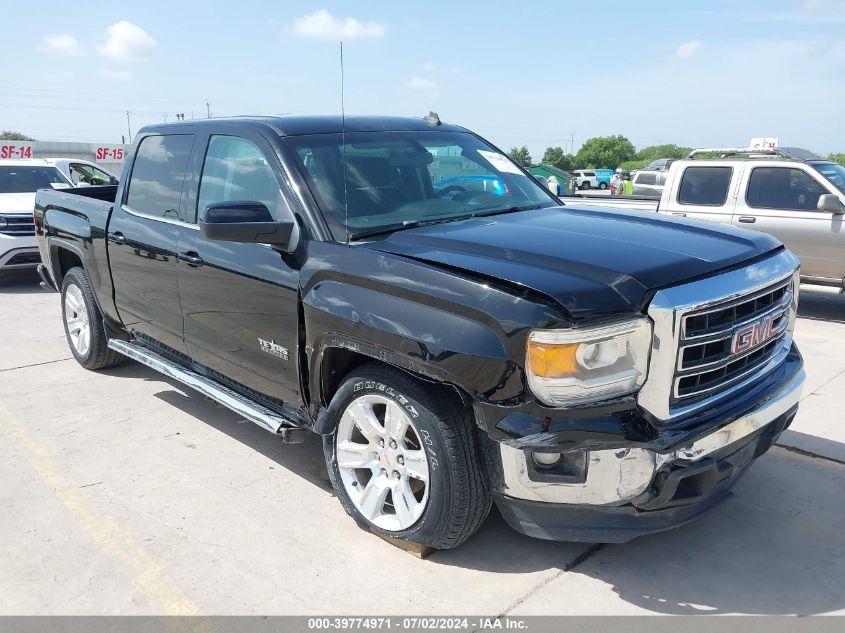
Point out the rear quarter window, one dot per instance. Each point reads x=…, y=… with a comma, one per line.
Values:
x=705, y=186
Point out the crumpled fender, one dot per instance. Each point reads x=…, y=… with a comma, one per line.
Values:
x=424, y=339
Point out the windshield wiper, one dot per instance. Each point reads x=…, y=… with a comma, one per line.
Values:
x=413, y=224
x=407, y=224
x=514, y=209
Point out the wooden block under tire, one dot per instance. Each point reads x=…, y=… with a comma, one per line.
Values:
x=415, y=549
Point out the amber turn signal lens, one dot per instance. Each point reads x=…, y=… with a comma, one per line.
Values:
x=552, y=361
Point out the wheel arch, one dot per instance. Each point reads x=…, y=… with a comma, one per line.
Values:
x=339, y=361
x=63, y=256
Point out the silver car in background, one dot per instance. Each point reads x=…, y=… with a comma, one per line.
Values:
x=649, y=183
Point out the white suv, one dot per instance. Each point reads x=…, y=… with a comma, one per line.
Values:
x=19, y=180
x=586, y=179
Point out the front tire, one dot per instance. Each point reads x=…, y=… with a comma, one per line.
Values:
x=83, y=323
x=403, y=458
x=603, y=186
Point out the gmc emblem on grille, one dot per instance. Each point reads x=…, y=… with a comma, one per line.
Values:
x=753, y=334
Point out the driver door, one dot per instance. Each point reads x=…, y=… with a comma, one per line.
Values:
x=239, y=301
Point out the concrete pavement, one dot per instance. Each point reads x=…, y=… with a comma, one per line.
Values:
x=124, y=493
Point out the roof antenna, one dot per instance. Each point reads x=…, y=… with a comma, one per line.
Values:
x=343, y=149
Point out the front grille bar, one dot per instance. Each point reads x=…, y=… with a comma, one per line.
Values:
x=691, y=364
x=718, y=367
x=18, y=225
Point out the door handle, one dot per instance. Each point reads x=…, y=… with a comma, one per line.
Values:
x=117, y=237
x=747, y=219
x=191, y=258
x=683, y=215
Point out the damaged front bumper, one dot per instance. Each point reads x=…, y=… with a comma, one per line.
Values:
x=614, y=495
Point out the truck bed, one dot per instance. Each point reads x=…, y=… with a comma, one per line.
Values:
x=76, y=220
x=78, y=209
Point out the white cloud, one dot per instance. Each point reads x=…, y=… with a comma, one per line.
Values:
x=821, y=6
x=428, y=67
x=127, y=42
x=322, y=25
x=688, y=49
x=424, y=85
x=62, y=44
x=114, y=75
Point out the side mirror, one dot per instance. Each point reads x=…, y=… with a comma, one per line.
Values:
x=247, y=221
x=831, y=203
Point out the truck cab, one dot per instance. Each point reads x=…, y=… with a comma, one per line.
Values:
x=787, y=192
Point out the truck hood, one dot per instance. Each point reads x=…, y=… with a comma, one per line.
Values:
x=589, y=261
x=17, y=202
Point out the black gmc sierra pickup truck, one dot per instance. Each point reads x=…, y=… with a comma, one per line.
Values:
x=457, y=338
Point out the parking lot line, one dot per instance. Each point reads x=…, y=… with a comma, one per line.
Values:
x=148, y=578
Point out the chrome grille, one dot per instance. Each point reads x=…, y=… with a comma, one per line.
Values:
x=711, y=336
x=706, y=360
x=17, y=225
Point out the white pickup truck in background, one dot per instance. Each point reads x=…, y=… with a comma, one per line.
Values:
x=788, y=192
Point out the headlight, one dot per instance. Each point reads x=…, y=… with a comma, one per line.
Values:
x=569, y=367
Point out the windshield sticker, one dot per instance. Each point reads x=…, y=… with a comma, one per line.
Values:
x=502, y=163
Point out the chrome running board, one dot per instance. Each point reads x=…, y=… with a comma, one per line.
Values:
x=262, y=416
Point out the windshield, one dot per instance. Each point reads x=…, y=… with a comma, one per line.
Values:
x=400, y=179
x=27, y=179
x=834, y=172
x=90, y=175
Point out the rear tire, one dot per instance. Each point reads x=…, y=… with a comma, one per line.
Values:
x=585, y=185
x=429, y=486
x=83, y=323
x=603, y=186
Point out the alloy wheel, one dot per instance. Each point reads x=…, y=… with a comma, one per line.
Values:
x=382, y=462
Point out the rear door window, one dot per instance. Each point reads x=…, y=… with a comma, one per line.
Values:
x=158, y=173
x=706, y=186
x=646, y=179
x=783, y=188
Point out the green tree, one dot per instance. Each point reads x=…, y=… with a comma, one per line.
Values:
x=521, y=156
x=604, y=152
x=839, y=157
x=633, y=165
x=653, y=152
x=7, y=135
x=556, y=156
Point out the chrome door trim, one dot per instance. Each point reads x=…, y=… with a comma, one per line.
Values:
x=158, y=218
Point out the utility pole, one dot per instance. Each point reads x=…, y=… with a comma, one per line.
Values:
x=165, y=117
x=208, y=108
x=128, y=126
x=572, y=143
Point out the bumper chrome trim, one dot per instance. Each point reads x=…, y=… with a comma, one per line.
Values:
x=742, y=427
x=618, y=475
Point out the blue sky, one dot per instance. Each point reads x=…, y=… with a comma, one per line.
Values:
x=695, y=73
